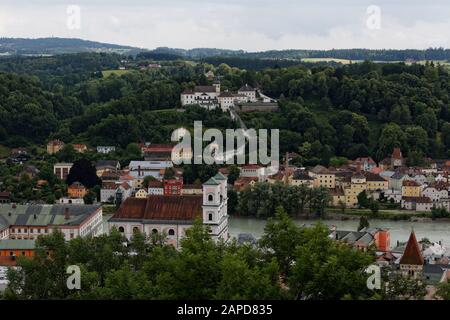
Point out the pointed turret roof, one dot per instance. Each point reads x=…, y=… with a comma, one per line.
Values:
x=211, y=182
x=219, y=176
x=412, y=254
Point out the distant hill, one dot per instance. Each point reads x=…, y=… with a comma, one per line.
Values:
x=52, y=46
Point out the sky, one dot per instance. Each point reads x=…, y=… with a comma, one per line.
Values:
x=251, y=25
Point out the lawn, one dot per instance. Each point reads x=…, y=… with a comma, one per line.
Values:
x=107, y=73
x=343, y=61
x=4, y=151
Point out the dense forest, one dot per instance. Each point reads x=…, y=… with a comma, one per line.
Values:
x=326, y=111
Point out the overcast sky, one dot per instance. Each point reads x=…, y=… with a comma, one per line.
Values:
x=251, y=25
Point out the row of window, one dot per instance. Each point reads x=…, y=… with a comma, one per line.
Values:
x=19, y=230
x=171, y=232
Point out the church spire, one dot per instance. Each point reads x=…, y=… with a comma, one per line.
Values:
x=412, y=254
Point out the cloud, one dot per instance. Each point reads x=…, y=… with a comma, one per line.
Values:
x=251, y=25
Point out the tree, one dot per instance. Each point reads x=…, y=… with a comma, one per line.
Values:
x=233, y=174
x=402, y=287
x=84, y=172
x=281, y=236
x=363, y=201
x=363, y=223
x=443, y=290
x=90, y=197
x=374, y=206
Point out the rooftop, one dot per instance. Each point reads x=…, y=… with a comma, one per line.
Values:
x=412, y=254
x=156, y=207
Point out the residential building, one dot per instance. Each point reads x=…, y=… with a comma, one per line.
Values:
x=375, y=182
x=301, y=178
x=105, y=149
x=76, y=190
x=108, y=191
x=363, y=163
x=363, y=239
x=410, y=188
x=242, y=182
x=252, y=171
x=358, y=185
x=141, y=193
x=54, y=146
x=66, y=200
x=249, y=92
x=30, y=221
x=191, y=189
x=396, y=180
x=172, y=187
x=79, y=147
x=123, y=192
x=106, y=165
x=5, y=197
x=417, y=203
x=155, y=188
x=323, y=177
x=11, y=249
x=61, y=170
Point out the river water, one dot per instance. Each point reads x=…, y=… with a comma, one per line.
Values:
x=399, y=230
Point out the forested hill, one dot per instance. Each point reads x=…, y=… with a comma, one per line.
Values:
x=348, y=54
x=326, y=112
x=51, y=46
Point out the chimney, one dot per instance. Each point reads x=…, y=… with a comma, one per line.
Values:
x=66, y=214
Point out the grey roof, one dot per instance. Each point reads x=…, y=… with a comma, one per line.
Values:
x=301, y=175
x=246, y=88
x=398, y=175
x=43, y=215
x=106, y=163
x=219, y=176
x=22, y=244
x=212, y=182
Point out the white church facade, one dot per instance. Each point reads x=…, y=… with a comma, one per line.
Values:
x=173, y=215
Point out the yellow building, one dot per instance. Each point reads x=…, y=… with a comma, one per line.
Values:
x=54, y=146
x=141, y=193
x=358, y=185
x=323, y=177
x=376, y=182
x=411, y=188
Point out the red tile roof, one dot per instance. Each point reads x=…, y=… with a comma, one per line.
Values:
x=156, y=207
x=412, y=254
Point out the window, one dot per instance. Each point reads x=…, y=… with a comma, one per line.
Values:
x=210, y=197
x=171, y=232
x=121, y=229
x=154, y=231
x=135, y=229
x=210, y=216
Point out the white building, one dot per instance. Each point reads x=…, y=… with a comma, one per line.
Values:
x=106, y=149
x=173, y=215
x=249, y=92
x=142, y=169
x=27, y=222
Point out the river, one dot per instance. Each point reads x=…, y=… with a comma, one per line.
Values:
x=399, y=230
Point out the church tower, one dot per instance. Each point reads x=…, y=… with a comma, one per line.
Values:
x=215, y=206
x=411, y=263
